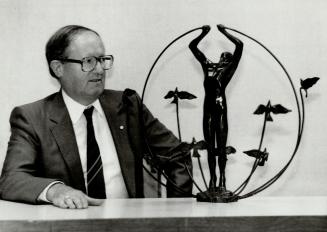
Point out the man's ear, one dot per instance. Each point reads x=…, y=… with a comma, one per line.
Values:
x=57, y=68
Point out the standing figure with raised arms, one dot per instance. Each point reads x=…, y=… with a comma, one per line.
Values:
x=215, y=124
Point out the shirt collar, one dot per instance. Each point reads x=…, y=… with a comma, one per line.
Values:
x=76, y=109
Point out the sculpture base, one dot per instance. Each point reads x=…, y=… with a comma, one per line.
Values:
x=219, y=195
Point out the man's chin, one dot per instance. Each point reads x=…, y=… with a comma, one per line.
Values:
x=95, y=92
x=98, y=92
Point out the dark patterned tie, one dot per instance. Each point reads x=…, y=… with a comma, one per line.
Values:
x=95, y=180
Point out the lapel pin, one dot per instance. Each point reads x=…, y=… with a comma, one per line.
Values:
x=121, y=127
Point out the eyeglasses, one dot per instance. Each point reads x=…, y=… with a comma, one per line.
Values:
x=89, y=63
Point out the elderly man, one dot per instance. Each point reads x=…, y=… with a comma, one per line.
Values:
x=85, y=143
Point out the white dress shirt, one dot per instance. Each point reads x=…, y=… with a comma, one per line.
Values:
x=114, y=182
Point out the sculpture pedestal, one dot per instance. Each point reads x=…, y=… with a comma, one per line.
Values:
x=219, y=195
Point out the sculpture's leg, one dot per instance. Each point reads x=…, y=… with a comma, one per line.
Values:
x=222, y=130
x=222, y=159
x=210, y=140
x=212, y=169
x=215, y=133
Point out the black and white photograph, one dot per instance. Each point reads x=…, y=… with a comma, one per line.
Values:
x=163, y=115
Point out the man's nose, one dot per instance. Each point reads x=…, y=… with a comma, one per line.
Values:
x=98, y=68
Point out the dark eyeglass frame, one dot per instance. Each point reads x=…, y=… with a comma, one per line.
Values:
x=81, y=62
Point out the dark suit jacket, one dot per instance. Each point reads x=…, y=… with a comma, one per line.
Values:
x=42, y=147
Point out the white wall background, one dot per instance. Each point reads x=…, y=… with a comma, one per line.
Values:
x=136, y=31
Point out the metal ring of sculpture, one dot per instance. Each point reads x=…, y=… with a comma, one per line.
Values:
x=236, y=194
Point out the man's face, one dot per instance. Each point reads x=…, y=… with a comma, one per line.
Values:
x=83, y=87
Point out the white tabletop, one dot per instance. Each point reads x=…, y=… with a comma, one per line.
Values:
x=173, y=207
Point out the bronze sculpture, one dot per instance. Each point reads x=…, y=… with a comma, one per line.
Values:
x=220, y=194
x=215, y=124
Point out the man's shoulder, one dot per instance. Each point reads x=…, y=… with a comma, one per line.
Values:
x=112, y=93
x=117, y=99
x=39, y=107
x=41, y=103
x=119, y=95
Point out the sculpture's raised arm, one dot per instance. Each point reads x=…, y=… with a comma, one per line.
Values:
x=229, y=71
x=194, y=45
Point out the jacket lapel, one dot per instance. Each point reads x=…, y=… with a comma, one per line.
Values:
x=117, y=120
x=64, y=135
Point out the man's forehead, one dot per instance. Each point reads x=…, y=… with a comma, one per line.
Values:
x=86, y=43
